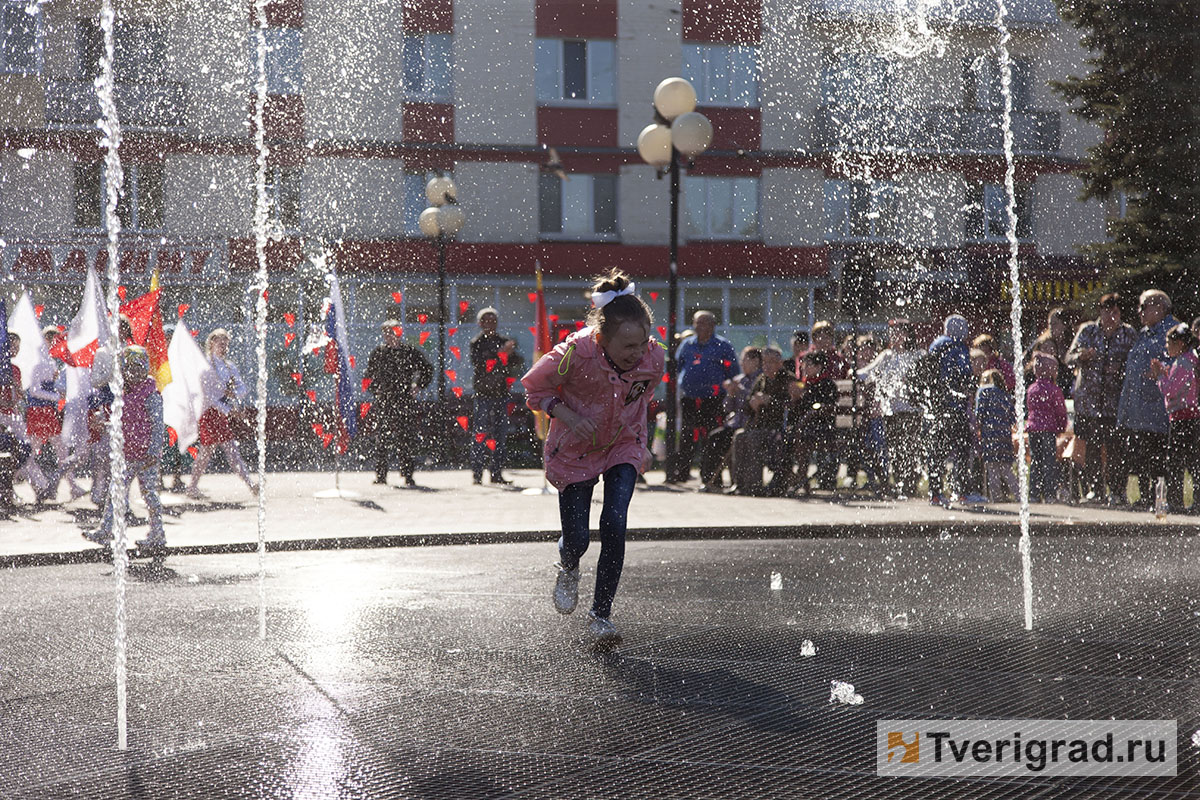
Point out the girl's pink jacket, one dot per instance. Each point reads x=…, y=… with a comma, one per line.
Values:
x=577, y=372
x=1179, y=387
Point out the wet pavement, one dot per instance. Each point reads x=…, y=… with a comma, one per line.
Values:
x=447, y=508
x=444, y=672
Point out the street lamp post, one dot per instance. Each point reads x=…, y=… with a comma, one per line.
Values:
x=678, y=132
x=442, y=220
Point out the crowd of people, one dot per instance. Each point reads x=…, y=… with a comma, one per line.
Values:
x=946, y=413
x=938, y=419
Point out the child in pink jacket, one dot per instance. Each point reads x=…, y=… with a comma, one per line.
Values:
x=1177, y=380
x=595, y=386
x=1047, y=417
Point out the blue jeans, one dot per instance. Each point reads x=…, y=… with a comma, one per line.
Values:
x=574, y=506
x=1043, y=466
x=491, y=420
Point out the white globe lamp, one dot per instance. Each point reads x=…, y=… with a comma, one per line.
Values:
x=428, y=222
x=438, y=188
x=691, y=133
x=450, y=219
x=674, y=96
x=654, y=145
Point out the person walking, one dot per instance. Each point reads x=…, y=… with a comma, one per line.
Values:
x=142, y=426
x=396, y=372
x=496, y=364
x=224, y=392
x=996, y=417
x=706, y=361
x=1098, y=355
x=1141, y=414
x=595, y=386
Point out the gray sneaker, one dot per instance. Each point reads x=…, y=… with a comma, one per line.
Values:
x=602, y=630
x=566, y=590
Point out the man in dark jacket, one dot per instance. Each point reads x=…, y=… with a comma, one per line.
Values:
x=396, y=371
x=497, y=365
x=947, y=424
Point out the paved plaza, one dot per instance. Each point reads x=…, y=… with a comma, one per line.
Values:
x=444, y=672
x=447, y=508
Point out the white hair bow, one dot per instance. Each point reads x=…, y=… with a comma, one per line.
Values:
x=601, y=299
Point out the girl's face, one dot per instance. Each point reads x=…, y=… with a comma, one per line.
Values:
x=135, y=372
x=627, y=345
x=220, y=347
x=811, y=371
x=1175, y=347
x=1045, y=368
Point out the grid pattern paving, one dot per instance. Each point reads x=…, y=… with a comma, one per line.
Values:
x=444, y=672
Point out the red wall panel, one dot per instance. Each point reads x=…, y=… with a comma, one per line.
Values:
x=737, y=21
x=428, y=122
x=576, y=19
x=577, y=127
x=427, y=16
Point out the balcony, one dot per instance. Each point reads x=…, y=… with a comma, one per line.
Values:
x=1019, y=13
x=866, y=129
x=148, y=107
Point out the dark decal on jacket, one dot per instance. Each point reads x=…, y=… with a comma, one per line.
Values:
x=636, y=390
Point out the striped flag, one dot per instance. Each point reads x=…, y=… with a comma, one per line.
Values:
x=337, y=362
x=541, y=346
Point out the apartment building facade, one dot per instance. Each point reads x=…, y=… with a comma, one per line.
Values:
x=857, y=154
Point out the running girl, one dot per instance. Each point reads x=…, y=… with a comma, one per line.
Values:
x=595, y=386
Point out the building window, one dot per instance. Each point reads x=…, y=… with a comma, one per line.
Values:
x=860, y=210
x=283, y=198
x=415, y=200
x=723, y=74
x=139, y=51
x=428, y=66
x=284, y=60
x=582, y=206
x=576, y=70
x=139, y=207
x=721, y=208
x=20, y=38
x=982, y=86
x=862, y=79
x=987, y=216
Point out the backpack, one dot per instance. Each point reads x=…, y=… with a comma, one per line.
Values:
x=923, y=386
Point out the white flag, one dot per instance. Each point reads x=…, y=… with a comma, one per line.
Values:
x=88, y=327
x=34, y=352
x=183, y=397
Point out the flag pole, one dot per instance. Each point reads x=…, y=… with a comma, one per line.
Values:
x=541, y=340
x=337, y=492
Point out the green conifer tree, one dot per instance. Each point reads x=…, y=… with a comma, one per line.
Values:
x=1143, y=91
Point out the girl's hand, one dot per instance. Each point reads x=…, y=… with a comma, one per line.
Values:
x=647, y=460
x=582, y=427
x=1156, y=368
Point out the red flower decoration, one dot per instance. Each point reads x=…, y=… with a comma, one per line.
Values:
x=182, y=308
x=491, y=444
x=397, y=296
x=451, y=374
x=662, y=332
x=366, y=383
x=38, y=309
x=290, y=319
x=288, y=338
x=533, y=297
x=423, y=337
x=297, y=377
x=312, y=395
x=463, y=421
x=490, y=364
x=451, y=331
x=454, y=351
x=121, y=292
x=463, y=305
x=458, y=391
x=364, y=410
x=654, y=296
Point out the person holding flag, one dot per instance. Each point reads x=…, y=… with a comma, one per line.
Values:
x=496, y=364
x=44, y=401
x=224, y=391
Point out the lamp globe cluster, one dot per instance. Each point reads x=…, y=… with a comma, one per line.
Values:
x=685, y=128
x=444, y=216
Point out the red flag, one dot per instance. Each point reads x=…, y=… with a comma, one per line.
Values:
x=145, y=320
